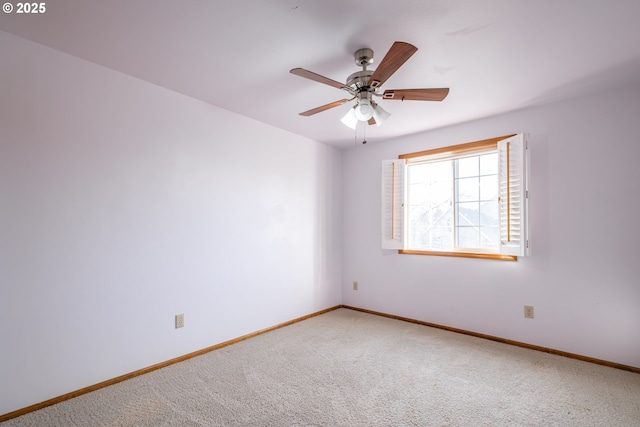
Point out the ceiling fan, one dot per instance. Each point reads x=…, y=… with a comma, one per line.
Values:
x=364, y=85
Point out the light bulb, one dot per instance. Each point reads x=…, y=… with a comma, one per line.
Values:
x=364, y=110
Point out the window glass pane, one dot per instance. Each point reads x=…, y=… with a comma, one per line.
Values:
x=447, y=213
x=468, y=189
x=489, y=237
x=419, y=193
x=419, y=174
x=489, y=214
x=488, y=187
x=468, y=166
x=429, y=206
x=434, y=238
x=468, y=214
x=489, y=164
x=468, y=237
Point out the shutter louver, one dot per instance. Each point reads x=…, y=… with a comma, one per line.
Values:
x=393, y=204
x=513, y=195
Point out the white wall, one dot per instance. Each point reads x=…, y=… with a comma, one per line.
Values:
x=123, y=204
x=583, y=277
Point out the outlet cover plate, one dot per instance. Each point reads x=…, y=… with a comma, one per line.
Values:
x=179, y=321
x=528, y=311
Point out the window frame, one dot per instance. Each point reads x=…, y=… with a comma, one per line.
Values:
x=455, y=151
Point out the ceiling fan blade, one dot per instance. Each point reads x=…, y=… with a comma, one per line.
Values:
x=416, y=94
x=317, y=78
x=397, y=55
x=372, y=121
x=324, y=107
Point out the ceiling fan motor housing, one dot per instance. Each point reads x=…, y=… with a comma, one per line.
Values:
x=359, y=80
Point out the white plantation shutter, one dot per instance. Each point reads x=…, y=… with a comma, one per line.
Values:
x=513, y=195
x=393, y=204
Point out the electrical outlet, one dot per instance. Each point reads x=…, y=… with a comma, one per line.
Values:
x=355, y=286
x=179, y=321
x=528, y=311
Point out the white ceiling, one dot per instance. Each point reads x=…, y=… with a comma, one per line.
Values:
x=495, y=55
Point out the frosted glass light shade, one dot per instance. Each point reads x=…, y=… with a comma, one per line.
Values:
x=350, y=119
x=379, y=114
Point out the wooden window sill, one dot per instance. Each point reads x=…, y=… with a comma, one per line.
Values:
x=482, y=255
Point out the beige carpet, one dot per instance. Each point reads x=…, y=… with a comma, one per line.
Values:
x=347, y=368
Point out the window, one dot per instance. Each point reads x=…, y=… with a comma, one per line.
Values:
x=465, y=200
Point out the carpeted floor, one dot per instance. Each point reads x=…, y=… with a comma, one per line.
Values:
x=347, y=368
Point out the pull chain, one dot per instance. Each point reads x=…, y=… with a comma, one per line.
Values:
x=355, y=136
x=364, y=133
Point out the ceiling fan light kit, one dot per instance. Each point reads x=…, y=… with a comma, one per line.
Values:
x=364, y=110
x=379, y=114
x=350, y=118
x=363, y=86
